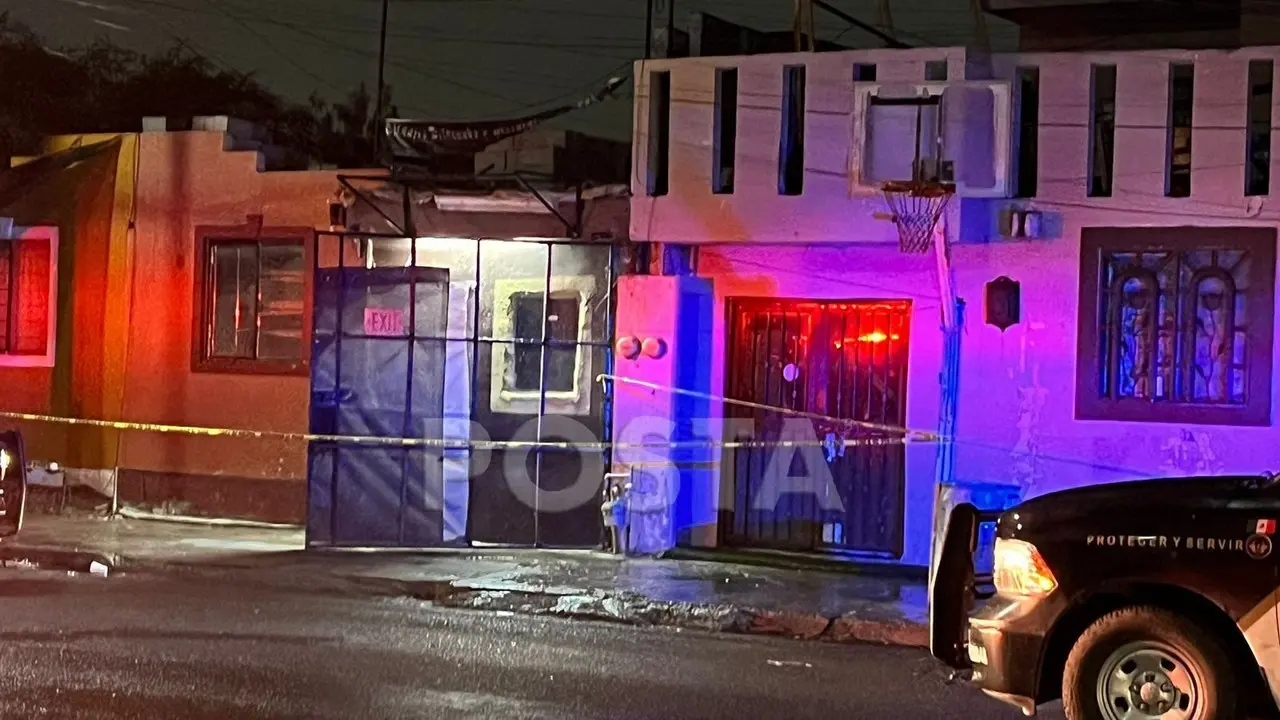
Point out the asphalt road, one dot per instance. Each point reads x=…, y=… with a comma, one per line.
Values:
x=179, y=647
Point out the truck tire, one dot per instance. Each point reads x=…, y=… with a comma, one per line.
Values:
x=1146, y=657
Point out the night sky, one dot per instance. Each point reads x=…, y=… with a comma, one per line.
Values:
x=450, y=59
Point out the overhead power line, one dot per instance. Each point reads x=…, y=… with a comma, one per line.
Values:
x=625, y=45
x=888, y=39
x=284, y=56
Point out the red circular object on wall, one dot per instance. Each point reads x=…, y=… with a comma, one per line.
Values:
x=653, y=347
x=628, y=347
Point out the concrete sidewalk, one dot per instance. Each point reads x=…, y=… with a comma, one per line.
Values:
x=720, y=597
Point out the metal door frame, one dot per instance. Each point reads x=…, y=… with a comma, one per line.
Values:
x=412, y=277
x=476, y=340
x=728, y=476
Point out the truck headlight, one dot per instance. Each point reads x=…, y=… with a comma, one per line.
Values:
x=1020, y=570
x=4, y=459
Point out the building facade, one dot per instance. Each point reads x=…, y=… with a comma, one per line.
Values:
x=173, y=281
x=1119, y=203
x=181, y=301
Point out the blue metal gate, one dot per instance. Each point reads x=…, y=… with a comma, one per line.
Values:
x=377, y=370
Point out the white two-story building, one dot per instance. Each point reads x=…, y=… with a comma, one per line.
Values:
x=1096, y=303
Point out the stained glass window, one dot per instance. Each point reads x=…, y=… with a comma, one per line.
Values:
x=1175, y=326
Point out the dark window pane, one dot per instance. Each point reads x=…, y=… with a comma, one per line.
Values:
x=726, y=130
x=562, y=364
x=563, y=324
x=256, y=301
x=1258, y=145
x=1181, y=101
x=526, y=325
x=657, y=180
x=280, y=317
x=527, y=320
x=528, y=368
x=1103, y=131
x=234, y=311
x=791, y=143
x=1029, y=130
x=563, y=320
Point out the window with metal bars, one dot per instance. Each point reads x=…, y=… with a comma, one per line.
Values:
x=1177, y=324
x=252, y=295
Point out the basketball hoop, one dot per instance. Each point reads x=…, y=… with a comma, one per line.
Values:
x=916, y=207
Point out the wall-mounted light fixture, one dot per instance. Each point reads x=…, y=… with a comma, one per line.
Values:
x=628, y=347
x=1003, y=303
x=337, y=214
x=653, y=347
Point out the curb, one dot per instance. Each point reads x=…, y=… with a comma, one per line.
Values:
x=622, y=608
x=637, y=610
x=46, y=558
x=885, y=570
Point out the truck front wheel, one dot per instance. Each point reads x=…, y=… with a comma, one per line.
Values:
x=1145, y=662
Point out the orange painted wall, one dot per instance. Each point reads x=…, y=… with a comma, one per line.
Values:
x=187, y=179
x=82, y=202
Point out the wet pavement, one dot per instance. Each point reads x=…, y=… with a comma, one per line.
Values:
x=717, y=596
x=190, y=646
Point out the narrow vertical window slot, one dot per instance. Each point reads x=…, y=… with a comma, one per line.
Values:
x=1102, y=131
x=1181, y=101
x=659, y=133
x=726, y=130
x=1258, y=145
x=1028, y=131
x=791, y=147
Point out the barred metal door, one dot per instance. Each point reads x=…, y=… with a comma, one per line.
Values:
x=377, y=370
x=845, y=360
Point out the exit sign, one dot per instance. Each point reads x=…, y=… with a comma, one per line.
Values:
x=384, y=322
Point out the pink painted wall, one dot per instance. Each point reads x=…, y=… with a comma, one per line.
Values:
x=848, y=273
x=651, y=306
x=186, y=179
x=1016, y=415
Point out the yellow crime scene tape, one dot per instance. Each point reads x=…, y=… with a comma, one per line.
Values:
x=898, y=435
x=912, y=435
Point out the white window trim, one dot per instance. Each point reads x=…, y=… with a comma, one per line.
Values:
x=526, y=402
x=51, y=332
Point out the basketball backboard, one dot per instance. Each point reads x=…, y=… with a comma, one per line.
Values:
x=938, y=132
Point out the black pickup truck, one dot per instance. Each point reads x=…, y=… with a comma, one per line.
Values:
x=1129, y=601
x=13, y=482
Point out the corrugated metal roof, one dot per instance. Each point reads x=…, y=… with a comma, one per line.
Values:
x=17, y=182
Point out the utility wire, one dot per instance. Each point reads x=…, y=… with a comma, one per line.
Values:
x=408, y=32
x=222, y=65
x=414, y=70
x=266, y=41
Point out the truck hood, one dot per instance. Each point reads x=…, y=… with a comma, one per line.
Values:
x=1184, y=493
